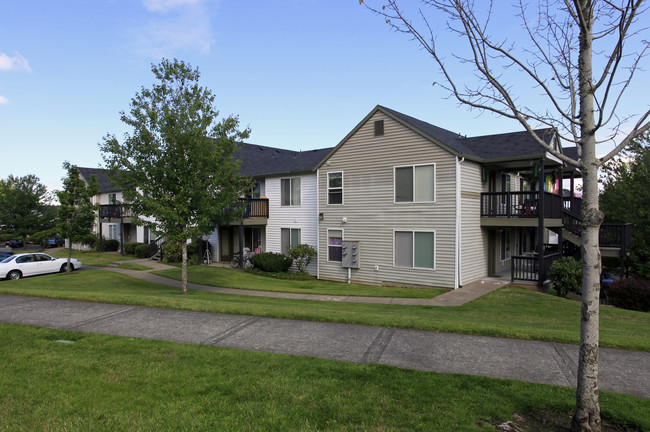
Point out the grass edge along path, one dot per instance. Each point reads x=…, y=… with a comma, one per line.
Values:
x=507, y=312
x=59, y=380
x=232, y=278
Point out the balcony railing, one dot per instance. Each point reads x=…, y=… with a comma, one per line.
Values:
x=526, y=268
x=115, y=211
x=524, y=204
x=255, y=207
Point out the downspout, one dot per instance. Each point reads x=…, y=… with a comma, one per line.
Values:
x=317, y=224
x=458, y=277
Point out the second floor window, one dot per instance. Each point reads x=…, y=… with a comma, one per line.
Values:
x=290, y=191
x=415, y=183
x=335, y=188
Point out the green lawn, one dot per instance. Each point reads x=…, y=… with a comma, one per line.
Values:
x=107, y=383
x=508, y=312
x=231, y=278
x=98, y=259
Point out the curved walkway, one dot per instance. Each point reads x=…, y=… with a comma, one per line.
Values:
x=457, y=297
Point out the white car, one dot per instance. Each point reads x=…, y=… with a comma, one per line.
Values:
x=30, y=264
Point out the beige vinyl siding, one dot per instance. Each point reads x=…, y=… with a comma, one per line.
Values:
x=372, y=215
x=303, y=217
x=474, y=249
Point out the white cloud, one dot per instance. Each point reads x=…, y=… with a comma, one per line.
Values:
x=165, y=5
x=17, y=62
x=175, y=25
x=3, y=100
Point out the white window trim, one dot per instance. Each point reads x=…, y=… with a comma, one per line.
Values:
x=290, y=192
x=327, y=242
x=435, y=184
x=413, y=231
x=290, y=236
x=328, y=188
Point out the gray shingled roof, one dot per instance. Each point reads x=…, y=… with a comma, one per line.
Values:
x=260, y=160
x=105, y=185
x=256, y=160
x=484, y=148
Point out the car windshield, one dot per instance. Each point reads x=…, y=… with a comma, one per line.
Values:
x=6, y=260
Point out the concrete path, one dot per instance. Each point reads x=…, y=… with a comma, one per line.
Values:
x=539, y=362
x=457, y=297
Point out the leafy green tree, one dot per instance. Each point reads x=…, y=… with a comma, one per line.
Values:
x=23, y=205
x=76, y=217
x=177, y=167
x=626, y=198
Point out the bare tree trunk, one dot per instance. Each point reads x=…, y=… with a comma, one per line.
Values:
x=587, y=412
x=184, y=268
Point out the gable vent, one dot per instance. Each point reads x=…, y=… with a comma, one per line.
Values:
x=379, y=128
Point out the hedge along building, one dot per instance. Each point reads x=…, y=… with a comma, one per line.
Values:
x=429, y=207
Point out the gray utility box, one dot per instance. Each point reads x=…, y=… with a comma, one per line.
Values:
x=350, y=254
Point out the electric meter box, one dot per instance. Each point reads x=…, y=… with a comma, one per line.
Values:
x=350, y=254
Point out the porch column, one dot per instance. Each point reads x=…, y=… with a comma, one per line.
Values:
x=241, y=245
x=540, y=224
x=101, y=236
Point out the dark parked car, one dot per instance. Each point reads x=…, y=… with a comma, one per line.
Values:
x=5, y=254
x=53, y=242
x=15, y=243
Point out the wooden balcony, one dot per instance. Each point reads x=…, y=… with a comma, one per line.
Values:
x=520, y=205
x=256, y=208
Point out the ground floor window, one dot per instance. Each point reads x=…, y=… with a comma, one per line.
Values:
x=112, y=232
x=415, y=249
x=289, y=237
x=334, y=245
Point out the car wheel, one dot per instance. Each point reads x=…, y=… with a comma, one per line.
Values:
x=14, y=274
x=63, y=267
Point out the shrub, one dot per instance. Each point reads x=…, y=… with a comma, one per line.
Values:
x=566, y=275
x=172, y=252
x=110, y=245
x=630, y=293
x=272, y=262
x=129, y=247
x=142, y=250
x=302, y=255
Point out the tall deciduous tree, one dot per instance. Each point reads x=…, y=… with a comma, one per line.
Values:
x=177, y=166
x=23, y=205
x=578, y=57
x=76, y=217
x=626, y=198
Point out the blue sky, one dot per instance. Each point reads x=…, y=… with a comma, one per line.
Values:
x=300, y=73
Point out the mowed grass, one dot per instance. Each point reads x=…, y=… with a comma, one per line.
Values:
x=232, y=278
x=98, y=259
x=508, y=312
x=107, y=383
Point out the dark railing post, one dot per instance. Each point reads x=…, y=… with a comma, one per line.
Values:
x=241, y=245
x=540, y=221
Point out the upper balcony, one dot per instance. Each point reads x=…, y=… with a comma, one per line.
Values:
x=520, y=208
x=115, y=211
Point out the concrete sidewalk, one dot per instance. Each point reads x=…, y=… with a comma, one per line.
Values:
x=540, y=362
x=457, y=297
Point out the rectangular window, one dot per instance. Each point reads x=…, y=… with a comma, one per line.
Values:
x=506, y=183
x=415, y=249
x=290, y=191
x=379, y=128
x=334, y=245
x=289, y=237
x=415, y=183
x=112, y=198
x=505, y=244
x=112, y=232
x=335, y=187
